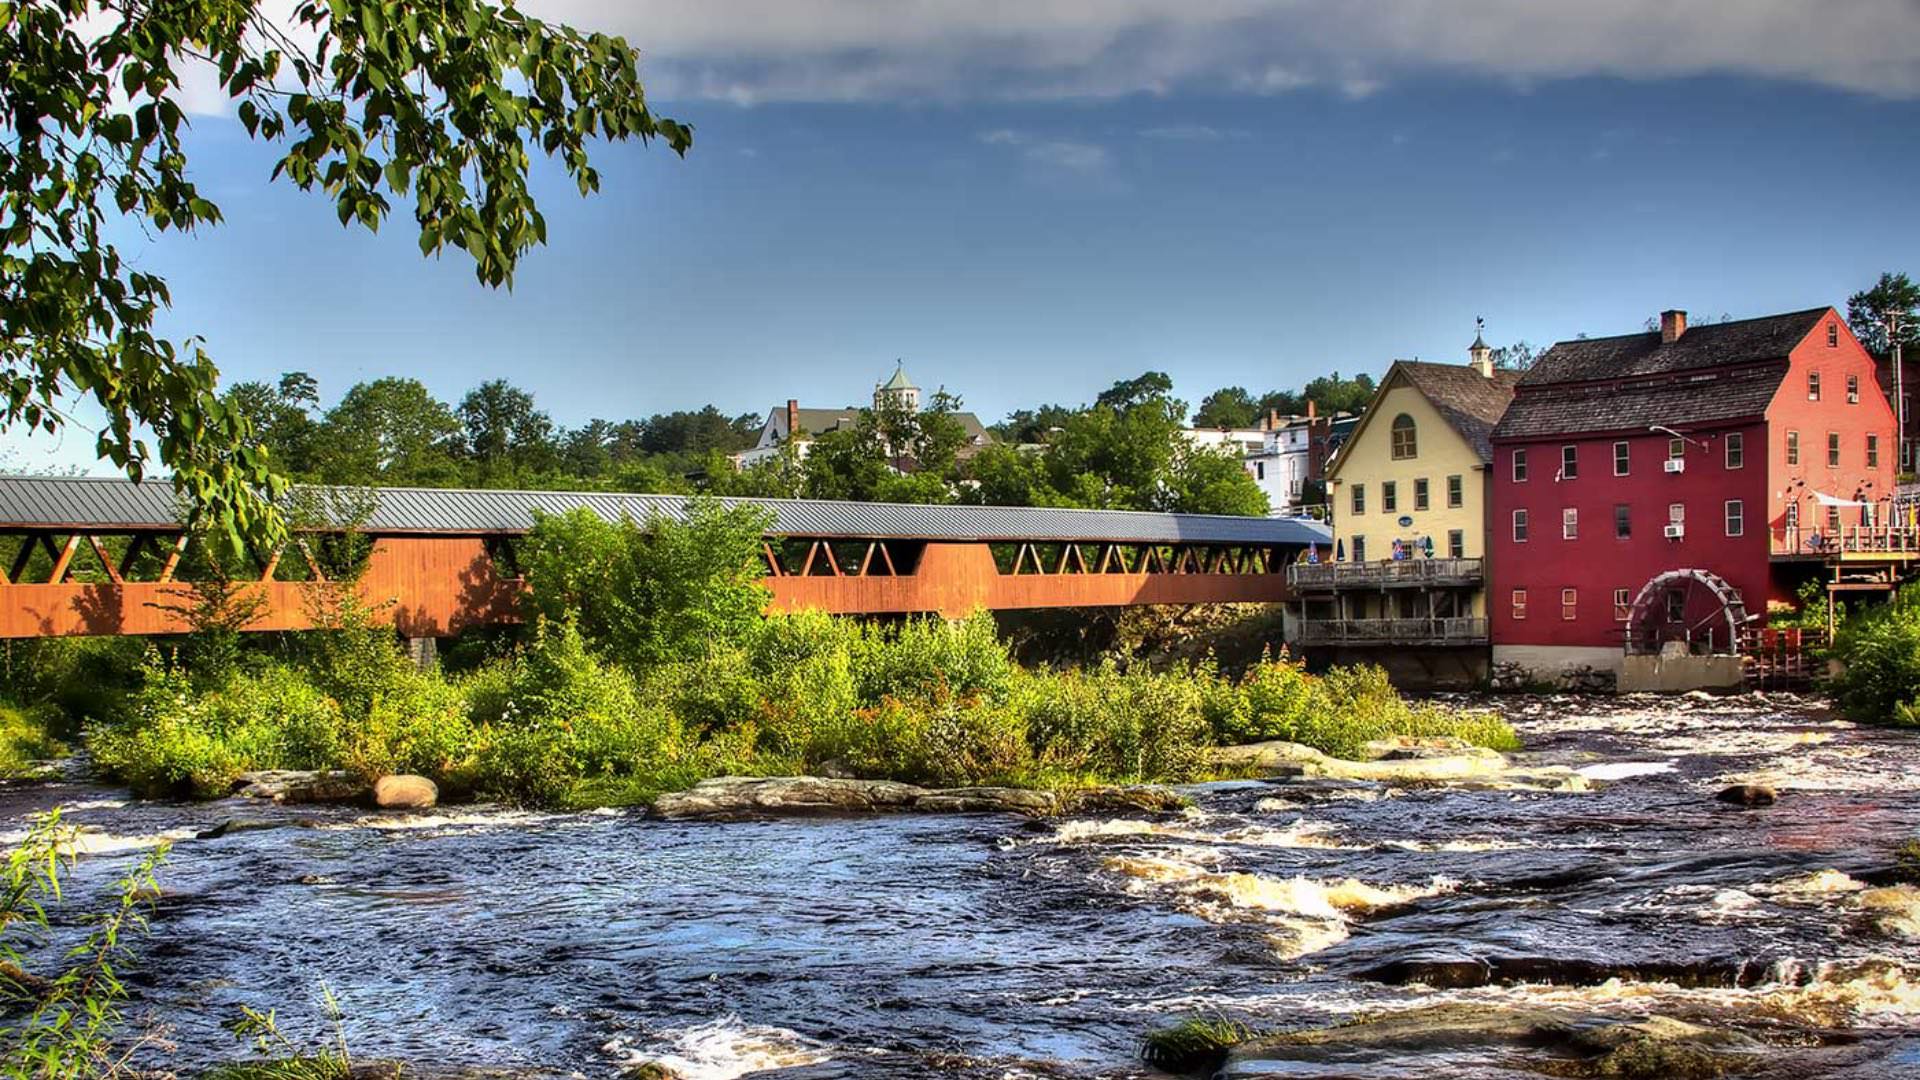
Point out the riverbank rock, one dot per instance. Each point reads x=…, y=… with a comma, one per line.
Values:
x=724, y=797
x=405, y=792
x=734, y=797
x=1475, y=765
x=301, y=786
x=1749, y=795
x=1413, y=748
x=1650, y=1048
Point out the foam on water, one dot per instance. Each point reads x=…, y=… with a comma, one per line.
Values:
x=721, y=1049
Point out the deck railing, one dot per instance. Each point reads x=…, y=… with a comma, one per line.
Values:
x=1849, y=540
x=1386, y=573
x=1461, y=631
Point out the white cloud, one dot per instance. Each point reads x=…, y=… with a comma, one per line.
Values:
x=948, y=50
x=1193, y=133
x=1062, y=155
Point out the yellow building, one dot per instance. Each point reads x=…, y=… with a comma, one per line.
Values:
x=1409, y=493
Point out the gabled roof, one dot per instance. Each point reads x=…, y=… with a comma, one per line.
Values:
x=1716, y=373
x=1471, y=403
x=1690, y=400
x=821, y=421
x=1746, y=341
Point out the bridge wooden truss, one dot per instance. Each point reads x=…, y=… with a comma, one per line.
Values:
x=84, y=557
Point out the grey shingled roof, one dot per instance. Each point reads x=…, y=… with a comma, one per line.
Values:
x=820, y=421
x=1470, y=401
x=1682, y=401
x=1747, y=341
x=64, y=502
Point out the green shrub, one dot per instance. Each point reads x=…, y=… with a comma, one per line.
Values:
x=415, y=723
x=1134, y=726
x=166, y=743
x=84, y=678
x=592, y=708
x=1879, y=649
x=926, y=657
x=26, y=737
x=276, y=720
x=653, y=592
x=1356, y=705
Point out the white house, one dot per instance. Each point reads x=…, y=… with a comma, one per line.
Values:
x=798, y=425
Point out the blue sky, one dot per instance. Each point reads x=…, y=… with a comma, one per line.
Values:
x=1029, y=202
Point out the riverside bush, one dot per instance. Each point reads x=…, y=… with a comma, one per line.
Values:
x=1879, y=649
x=1103, y=723
x=26, y=737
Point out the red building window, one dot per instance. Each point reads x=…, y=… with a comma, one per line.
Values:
x=1833, y=449
x=1622, y=521
x=1833, y=335
x=1569, y=604
x=1622, y=605
x=1519, y=526
x=1736, y=518
x=1853, y=389
x=1570, y=524
x=1793, y=448
x=1519, y=604
x=1622, y=459
x=1813, y=386
x=1736, y=450
x=1873, y=451
x=1569, y=462
x=1519, y=466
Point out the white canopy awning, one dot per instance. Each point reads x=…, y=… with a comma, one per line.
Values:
x=1825, y=499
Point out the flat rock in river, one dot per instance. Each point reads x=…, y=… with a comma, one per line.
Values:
x=1479, y=765
x=757, y=796
x=302, y=786
x=731, y=797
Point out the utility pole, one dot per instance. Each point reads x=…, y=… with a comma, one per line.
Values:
x=1899, y=389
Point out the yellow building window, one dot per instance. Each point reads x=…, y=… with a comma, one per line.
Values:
x=1406, y=442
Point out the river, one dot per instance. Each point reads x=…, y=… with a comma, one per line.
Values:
x=989, y=946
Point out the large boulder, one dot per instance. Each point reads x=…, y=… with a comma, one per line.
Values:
x=1748, y=795
x=302, y=786
x=405, y=792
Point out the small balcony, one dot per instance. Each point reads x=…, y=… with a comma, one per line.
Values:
x=1386, y=574
x=1850, y=543
x=1460, y=631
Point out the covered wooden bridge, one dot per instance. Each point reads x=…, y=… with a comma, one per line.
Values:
x=107, y=556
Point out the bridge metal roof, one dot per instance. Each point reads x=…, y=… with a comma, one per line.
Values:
x=39, y=502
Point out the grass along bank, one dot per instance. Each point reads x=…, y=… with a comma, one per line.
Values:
x=647, y=667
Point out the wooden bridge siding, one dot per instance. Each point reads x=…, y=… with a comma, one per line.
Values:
x=955, y=578
x=430, y=586
x=438, y=586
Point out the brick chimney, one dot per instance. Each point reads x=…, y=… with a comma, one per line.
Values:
x=1273, y=419
x=1672, y=325
x=793, y=418
x=1310, y=409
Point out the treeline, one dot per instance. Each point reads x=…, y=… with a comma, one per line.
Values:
x=1122, y=451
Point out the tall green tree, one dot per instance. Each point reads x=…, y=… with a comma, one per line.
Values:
x=1333, y=394
x=1867, y=312
x=438, y=103
x=507, y=435
x=389, y=431
x=281, y=417
x=1228, y=407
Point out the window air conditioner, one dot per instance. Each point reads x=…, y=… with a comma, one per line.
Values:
x=1675, y=531
x=1675, y=464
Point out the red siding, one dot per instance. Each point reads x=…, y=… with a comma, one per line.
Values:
x=1791, y=410
x=1597, y=563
